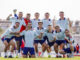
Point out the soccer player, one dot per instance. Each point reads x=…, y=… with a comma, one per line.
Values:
x=63, y=22
x=8, y=42
x=40, y=30
x=30, y=35
x=60, y=41
x=35, y=20
x=26, y=20
x=19, y=19
x=15, y=30
x=49, y=33
x=70, y=49
x=47, y=20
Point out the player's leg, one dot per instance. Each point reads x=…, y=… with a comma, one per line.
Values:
x=61, y=47
x=32, y=52
x=36, y=47
x=17, y=47
x=56, y=49
x=12, y=49
x=43, y=43
x=72, y=49
x=25, y=52
x=62, y=44
x=48, y=50
x=62, y=52
x=49, y=45
x=18, y=43
x=5, y=49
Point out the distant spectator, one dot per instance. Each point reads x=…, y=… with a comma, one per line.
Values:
x=77, y=48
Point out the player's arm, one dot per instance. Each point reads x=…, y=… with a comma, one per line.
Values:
x=41, y=34
x=54, y=37
x=53, y=23
x=8, y=18
x=68, y=40
x=14, y=11
x=70, y=23
x=37, y=35
x=14, y=33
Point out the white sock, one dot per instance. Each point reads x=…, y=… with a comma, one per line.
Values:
x=49, y=53
x=11, y=53
x=16, y=52
x=59, y=54
x=36, y=54
x=42, y=54
x=5, y=53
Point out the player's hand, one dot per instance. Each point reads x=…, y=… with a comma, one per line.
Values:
x=68, y=19
x=41, y=33
x=10, y=15
x=15, y=10
x=17, y=32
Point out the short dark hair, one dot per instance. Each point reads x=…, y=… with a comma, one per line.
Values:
x=61, y=12
x=17, y=22
x=28, y=14
x=20, y=12
x=66, y=30
x=36, y=13
x=47, y=13
x=40, y=22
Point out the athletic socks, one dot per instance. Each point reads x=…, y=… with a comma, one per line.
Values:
x=36, y=54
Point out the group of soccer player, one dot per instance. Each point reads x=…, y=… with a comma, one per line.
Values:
x=31, y=32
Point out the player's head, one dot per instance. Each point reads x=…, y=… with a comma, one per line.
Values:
x=47, y=15
x=36, y=15
x=40, y=24
x=61, y=14
x=17, y=24
x=57, y=28
x=67, y=32
x=50, y=26
x=20, y=15
x=28, y=15
x=29, y=25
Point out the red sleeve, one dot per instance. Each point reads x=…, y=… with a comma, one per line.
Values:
x=22, y=28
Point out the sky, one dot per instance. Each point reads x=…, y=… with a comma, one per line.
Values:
x=70, y=7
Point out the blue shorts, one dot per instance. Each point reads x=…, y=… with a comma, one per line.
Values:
x=45, y=38
x=39, y=41
x=59, y=42
x=68, y=50
x=17, y=39
x=2, y=39
x=51, y=43
x=7, y=39
x=28, y=49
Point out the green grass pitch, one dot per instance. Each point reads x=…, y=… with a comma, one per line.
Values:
x=75, y=58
